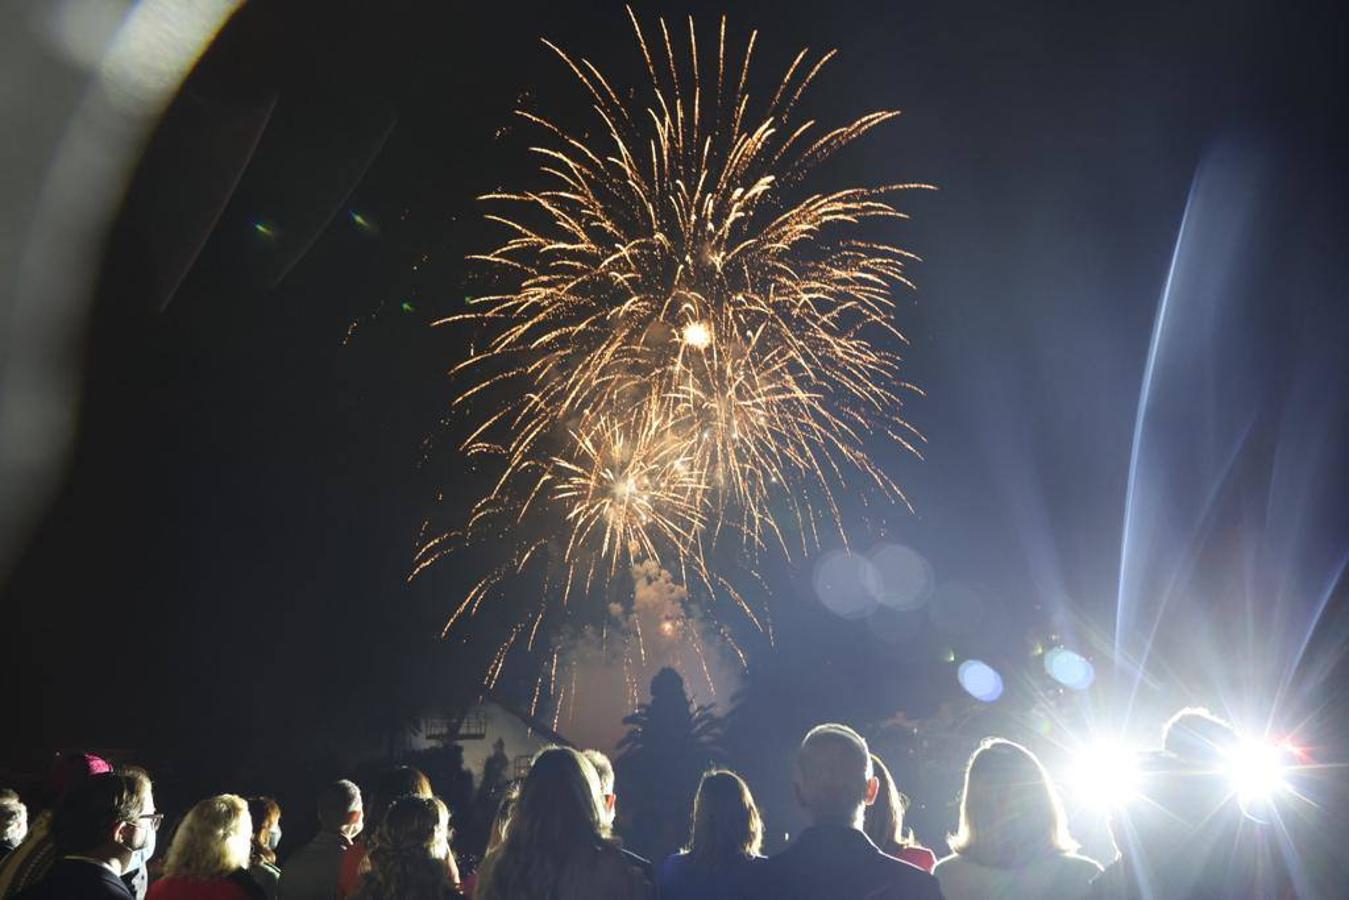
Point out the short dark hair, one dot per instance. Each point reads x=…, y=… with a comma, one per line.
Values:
x=86, y=816
x=336, y=801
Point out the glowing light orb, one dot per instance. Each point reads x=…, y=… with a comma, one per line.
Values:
x=980, y=680
x=1072, y=670
x=697, y=335
x=845, y=584
x=1105, y=775
x=1257, y=770
x=904, y=578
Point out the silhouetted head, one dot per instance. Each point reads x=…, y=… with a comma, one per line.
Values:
x=834, y=778
x=212, y=841
x=1010, y=813
x=726, y=825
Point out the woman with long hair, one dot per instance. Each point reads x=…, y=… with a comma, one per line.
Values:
x=884, y=822
x=1013, y=840
x=725, y=837
x=555, y=847
x=266, y=815
x=410, y=856
x=400, y=781
x=208, y=858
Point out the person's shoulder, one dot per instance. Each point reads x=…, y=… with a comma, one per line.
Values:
x=244, y=885
x=611, y=858
x=89, y=879
x=1114, y=883
x=638, y=862
x=609, y=873
x=904, y=880
x=264, y=873
x=673, y=865
x=918, y=856
x=900, y=867
x=1088, y=866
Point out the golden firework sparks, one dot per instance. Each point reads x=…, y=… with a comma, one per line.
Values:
x=690, y=342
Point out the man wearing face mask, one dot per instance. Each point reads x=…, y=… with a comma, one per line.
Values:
x=138, y=879
x=266, y=815
x=102, y=830
x=30, y=860
x=312, y=871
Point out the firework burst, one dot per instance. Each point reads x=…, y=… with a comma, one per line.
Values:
x=691, y=347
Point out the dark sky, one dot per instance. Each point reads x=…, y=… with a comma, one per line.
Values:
x=226, y=559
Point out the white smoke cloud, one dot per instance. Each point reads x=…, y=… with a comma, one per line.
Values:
x=601, y=671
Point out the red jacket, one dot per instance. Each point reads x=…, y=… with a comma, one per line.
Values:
x=921, y=857
x=234, y=887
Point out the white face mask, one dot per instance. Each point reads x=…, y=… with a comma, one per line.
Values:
x=273, y=838
x=142, y=842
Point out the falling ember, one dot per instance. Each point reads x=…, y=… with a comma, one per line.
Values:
x=688, y=343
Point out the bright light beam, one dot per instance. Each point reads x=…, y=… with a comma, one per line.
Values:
x=1105, y=775
x=1257, y=770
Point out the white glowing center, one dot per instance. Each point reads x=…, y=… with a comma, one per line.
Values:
x=697, y=334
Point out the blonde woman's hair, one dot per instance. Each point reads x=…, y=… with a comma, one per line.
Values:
x=212, y=841
x=1010, y=813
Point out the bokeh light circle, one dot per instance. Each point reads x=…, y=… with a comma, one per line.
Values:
x=846, y=584
x=1072, y=670
x=904, y=579
x=980, y=680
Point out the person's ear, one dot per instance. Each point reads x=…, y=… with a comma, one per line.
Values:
x=610, y=801
x=873, y=788
x=122, y=833
x=356, y=817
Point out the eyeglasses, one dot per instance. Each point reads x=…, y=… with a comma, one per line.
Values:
x=156, y=819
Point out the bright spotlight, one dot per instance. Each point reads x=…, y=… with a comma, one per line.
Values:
x=1105, y=775
x=697, y=334
x=1257, y=770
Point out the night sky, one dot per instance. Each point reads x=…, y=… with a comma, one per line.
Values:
x=223, y=569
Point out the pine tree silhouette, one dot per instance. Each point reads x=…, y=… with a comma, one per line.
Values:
x=669, y=745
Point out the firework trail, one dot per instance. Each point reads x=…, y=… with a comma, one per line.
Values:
x=691, y=347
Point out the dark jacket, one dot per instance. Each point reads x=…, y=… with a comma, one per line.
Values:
x=840, y=863
x=641, y=863
x=311, y=873
x=78, y=879
x=680, y=880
